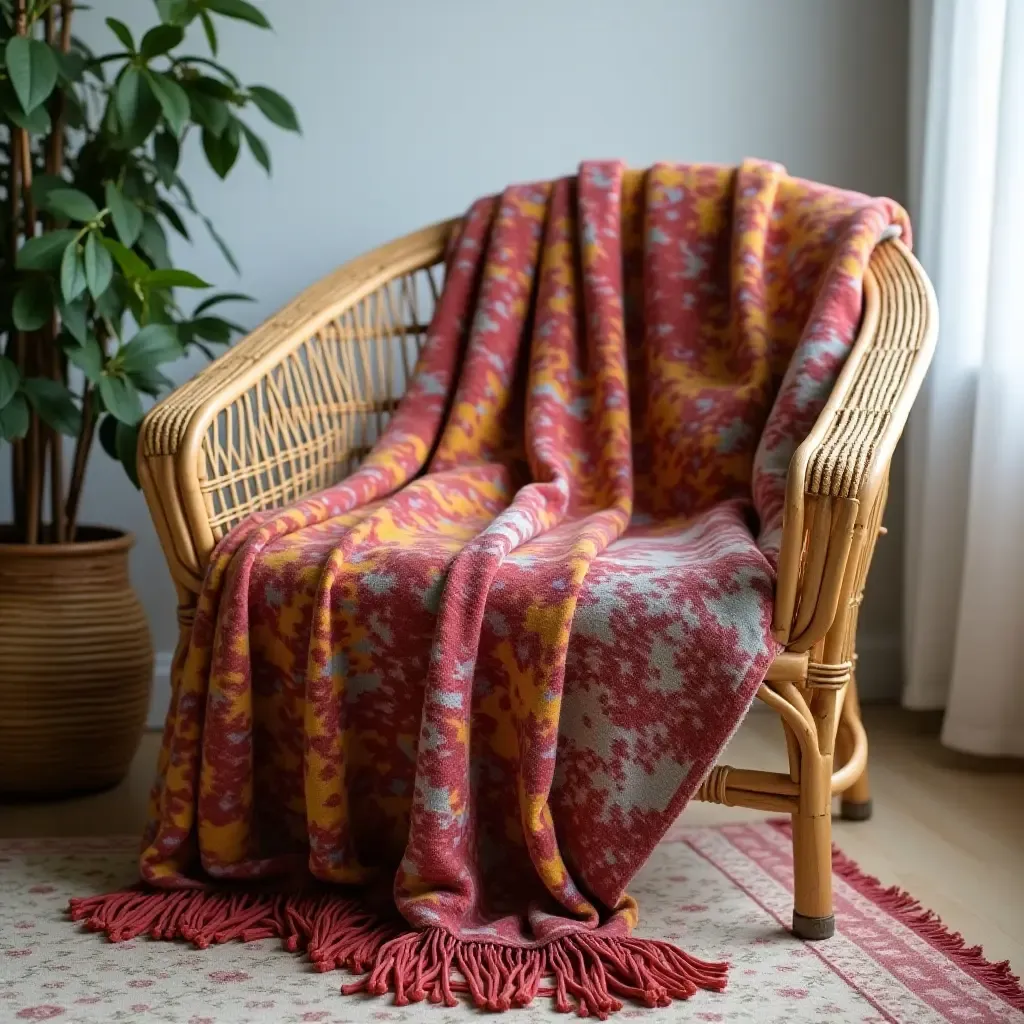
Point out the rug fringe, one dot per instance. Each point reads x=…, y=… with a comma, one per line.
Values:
x=998, y=978
x=589, y=973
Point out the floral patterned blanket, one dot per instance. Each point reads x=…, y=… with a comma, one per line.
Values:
x=443, y=711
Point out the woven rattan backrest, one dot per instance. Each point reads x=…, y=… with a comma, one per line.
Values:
x=308, y=422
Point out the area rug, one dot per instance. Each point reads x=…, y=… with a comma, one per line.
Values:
x=726, y=889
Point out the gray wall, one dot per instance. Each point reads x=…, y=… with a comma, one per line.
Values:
x=412, y=109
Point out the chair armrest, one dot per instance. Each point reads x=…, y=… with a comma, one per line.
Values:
x=289, y=408
x=838, y=477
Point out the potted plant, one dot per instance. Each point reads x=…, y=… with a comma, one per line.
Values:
x=92, y=308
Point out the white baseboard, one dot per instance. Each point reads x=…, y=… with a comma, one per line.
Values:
x=878, y=674
x=879, y=667
x=160, y=699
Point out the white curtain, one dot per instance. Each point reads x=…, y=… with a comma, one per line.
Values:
x=964, y=614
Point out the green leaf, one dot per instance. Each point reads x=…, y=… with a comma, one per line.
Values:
x=210, y=112
x=153, y=345
x=71, y=203
x=159, y=40
x=73, y=315
x=173, y=218
x=153, y=242
x=173, y=100
x=44, y=252
x=99, y=267
x=165, y=157
x=127, y=217
x=14, y=419
x=9, y=379
x=215, y=87
x=111, y=305
x=121, y=399
x=186, y=194
x=150, y=381
x=212, y=328
x=127, y=444
x=53, y=402
x=120, y=29
x=211, y=32
x=128, y=95
x=110, y=122
x=138, y=111
x=32, y=68
x=134, y=180
x=43, y=185
x=274, y=107
x=80, y=45
x=257, y=147
x=72, y=273
x=193, y=58
x=222, y=150
x=88, y=358
x=173, y=12
x=108, y=436
x=33, y=305
x=37, y=122
x=74, y=112
x=70, y=66
x=132, y=266
x=173, y=278
x=242, y=10
x=216, y=300
x=93, y=66
x=144, y=309
x=225, y=250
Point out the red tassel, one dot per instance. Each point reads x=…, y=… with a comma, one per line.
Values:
x=591, y=973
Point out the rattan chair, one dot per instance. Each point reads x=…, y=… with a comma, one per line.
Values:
x=294, y=406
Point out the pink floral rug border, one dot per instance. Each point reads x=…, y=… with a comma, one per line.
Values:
x=858, y=898
x=998, y=977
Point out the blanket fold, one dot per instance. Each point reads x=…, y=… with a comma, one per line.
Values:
x=432, y=720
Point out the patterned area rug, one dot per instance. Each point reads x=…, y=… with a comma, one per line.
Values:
x=717, y=890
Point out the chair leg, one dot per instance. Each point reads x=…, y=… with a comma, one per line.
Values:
x=812, y=876
x=813, y=916
x=855, y=803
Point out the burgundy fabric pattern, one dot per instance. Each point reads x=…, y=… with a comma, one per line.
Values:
x=479, y=679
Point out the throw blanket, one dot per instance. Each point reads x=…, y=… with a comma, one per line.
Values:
x=477, y=680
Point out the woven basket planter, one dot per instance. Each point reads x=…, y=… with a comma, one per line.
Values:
x=76, y=665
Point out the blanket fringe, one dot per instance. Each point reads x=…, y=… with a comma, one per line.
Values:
x=586, y=972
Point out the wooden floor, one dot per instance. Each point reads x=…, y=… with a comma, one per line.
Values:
x=948, y=829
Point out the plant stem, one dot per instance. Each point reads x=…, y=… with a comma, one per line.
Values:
x=65, y=24
x=25, y=151
x=17, y=340
x=54, y=159
x=57, y=457
x=34, y=454
x=35, y=363
x=58, y=511
x=82, y=446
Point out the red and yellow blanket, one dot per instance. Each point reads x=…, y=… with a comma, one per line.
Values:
x=433, y=720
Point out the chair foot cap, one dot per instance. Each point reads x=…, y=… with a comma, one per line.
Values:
x=855, y=810
x=812, y=929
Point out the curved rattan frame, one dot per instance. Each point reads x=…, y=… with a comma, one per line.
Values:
x=292, y=408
